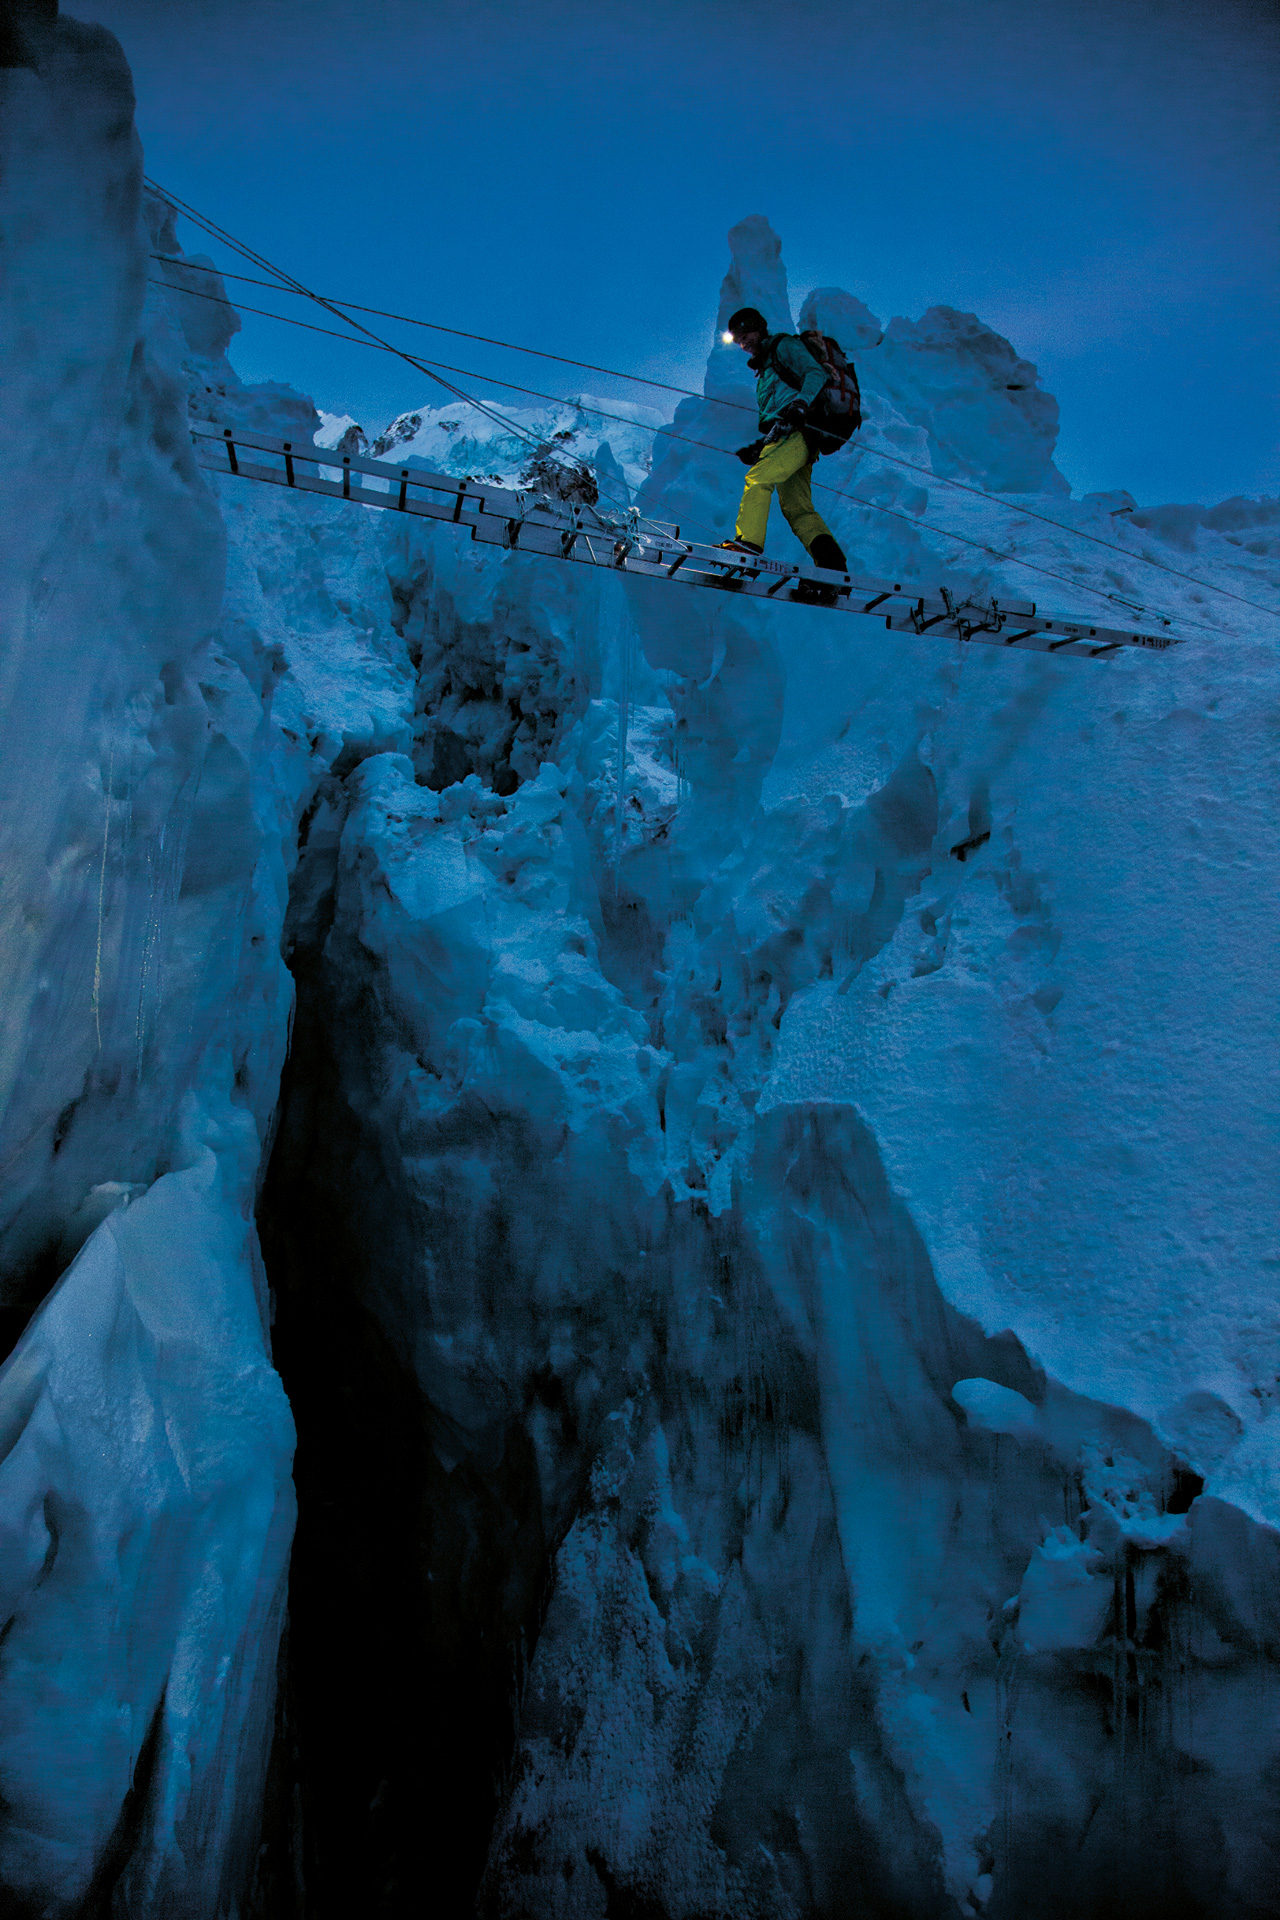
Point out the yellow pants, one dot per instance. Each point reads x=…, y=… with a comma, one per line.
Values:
x=788, y=466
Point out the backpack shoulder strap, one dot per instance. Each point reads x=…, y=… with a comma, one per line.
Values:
x=783, y=372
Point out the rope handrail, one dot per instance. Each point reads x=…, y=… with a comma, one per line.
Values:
x=737, y=406
x=434, y=370
x=876, y=506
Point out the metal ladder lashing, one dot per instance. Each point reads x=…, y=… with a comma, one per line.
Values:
x=569, y=538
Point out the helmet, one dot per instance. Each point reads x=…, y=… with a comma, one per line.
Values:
x=745, y=320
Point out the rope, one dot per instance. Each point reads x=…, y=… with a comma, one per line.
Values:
x=434, y=369
x=460, y=333
x=295, y=286
x=468, y=373
x=688, y=393
x=581, y=406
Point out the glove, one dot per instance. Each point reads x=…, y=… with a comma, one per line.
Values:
x=793, y=417
x=749, y=455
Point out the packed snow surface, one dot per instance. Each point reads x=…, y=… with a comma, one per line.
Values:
x=782, y=1114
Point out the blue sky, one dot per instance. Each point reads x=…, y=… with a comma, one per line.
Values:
x=1099, y=181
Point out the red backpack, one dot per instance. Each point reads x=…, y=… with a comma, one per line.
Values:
x=836, y=413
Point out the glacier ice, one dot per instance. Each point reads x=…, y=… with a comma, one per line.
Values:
x=760, y=1136
x=147, y=1513
x=147, y=1502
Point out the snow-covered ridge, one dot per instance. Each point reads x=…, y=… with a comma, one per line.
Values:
x=554, y=446
x=766, y=1218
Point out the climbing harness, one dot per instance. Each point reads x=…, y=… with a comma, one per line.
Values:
x=526, y=522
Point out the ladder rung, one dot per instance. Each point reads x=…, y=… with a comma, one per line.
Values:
x=500, y=516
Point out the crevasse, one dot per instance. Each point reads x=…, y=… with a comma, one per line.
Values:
x=771, y=1258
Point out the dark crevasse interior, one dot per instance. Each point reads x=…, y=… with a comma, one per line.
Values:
x=442, y=1517
x=423, y=1564
x=411, y=1591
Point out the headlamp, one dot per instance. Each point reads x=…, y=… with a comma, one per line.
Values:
x=727, y=338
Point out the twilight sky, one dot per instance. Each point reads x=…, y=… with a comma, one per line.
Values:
x=1098, y=181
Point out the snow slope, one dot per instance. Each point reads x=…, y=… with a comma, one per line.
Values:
x=766, y=1221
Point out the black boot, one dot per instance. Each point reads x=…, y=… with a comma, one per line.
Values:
x=826, y=553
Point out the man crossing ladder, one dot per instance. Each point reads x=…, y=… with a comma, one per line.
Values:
x=788, y=381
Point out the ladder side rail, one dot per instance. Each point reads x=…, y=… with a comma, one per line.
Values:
x=378, y=469
x=659, y=563
x=303, y=482
x=490, y=511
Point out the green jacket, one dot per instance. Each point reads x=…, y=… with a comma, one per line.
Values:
x=773, y=393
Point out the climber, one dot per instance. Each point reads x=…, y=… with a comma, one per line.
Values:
x=783, y=456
